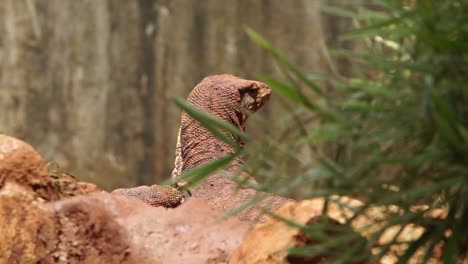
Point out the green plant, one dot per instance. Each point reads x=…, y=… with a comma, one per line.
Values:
x=395, y=132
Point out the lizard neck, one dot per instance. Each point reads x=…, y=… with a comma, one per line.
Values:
x=196, y=146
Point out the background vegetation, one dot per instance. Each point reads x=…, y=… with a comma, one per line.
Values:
x=394, y=131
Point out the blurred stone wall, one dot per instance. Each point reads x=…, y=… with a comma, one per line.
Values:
x=89, y=83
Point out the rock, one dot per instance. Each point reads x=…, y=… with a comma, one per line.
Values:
x=66, y=185
x=66, y=231
x=105, y=228
x=20, y=163
x=49, y=216
x=28, y=230
x=269, y=242
x=191, y=233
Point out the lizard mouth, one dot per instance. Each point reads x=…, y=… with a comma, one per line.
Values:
x=254, y=97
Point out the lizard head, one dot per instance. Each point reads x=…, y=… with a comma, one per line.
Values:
x=254, y=96
x=229, y=97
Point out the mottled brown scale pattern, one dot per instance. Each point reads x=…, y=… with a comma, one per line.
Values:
x=231, y=99
x=226, y=97
x=154, y=195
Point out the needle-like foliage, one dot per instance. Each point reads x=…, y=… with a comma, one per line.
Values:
x=394, y=132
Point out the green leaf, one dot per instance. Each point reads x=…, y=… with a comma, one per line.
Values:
x=450, y=249
x=215, y=125
x=285, y=90
x=448, y=123
x=422, y=191
x=282, y=60
x=296, y=96
x=447, y=132
x=198, y=174
x=359, y=106
x=287, y=221
x=383, y=64
x=369, y=88
x=334, y=10
x=414, y=246
x=463, y=133
x=378, y=28
x=255, y=200
x=441, y=106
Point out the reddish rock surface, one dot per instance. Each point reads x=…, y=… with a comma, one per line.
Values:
x=269, y=242
x=46, y=219
x=20, y=163
x=191, y=233
x=105, y=228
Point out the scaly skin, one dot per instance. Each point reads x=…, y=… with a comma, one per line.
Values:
x=231, y=99
x=154, y=195
x=226, y=97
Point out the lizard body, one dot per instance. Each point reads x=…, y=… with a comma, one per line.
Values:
x=231, y=99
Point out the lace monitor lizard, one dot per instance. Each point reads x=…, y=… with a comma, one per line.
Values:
x=232, y=99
